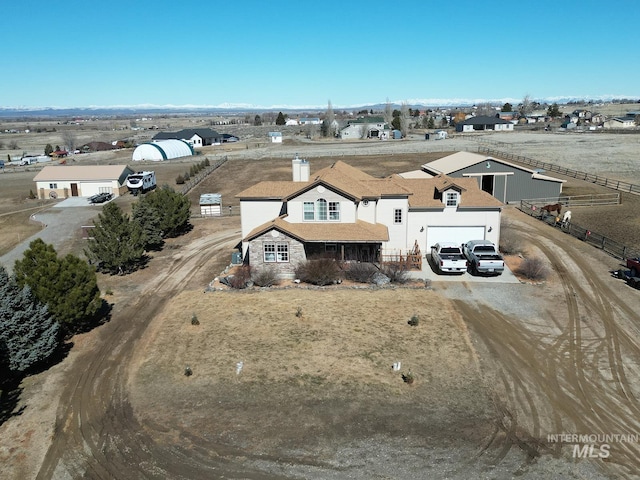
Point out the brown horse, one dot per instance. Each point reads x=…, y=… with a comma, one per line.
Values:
x=552, y=208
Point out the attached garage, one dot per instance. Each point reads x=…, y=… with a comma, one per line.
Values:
x=458, y=235
x=64, y=181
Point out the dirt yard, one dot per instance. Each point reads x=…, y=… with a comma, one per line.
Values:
x=496, y=370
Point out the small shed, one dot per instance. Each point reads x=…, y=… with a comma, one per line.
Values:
x=276, y=137
x=440, y=134
x=211, y=205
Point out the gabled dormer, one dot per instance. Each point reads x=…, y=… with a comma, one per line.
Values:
x=448, y=192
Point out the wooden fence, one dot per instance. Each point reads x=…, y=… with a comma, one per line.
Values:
x=587, y=177
x=196, y=179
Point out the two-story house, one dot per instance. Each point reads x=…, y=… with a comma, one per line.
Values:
x=345, y=212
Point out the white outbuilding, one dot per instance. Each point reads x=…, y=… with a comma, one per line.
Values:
x=162, y=150
x=64, y=181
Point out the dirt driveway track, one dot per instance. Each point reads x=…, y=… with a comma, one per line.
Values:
x=96, y=433
x=575, y=371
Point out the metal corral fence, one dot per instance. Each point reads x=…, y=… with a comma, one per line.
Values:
x=613, y=248
x=587, y=177
x=575, y=200
x=193, y=181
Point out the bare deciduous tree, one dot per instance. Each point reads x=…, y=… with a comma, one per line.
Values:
x=489, y=109
x=331, y=129
x=526, y=107
x=388, y=112
x=69, y=139
x=404, y=119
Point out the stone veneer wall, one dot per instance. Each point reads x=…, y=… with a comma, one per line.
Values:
x=284, y=269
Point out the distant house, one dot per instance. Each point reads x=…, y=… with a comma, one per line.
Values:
x=96, y=147
x=366, y=127
x=63, y=181
x=504, y=180
x=276, y=137
x=197, y=137
x=482, y=123
x=291, y=122
x=344, y=212
x=310, y=121
x=620, y=122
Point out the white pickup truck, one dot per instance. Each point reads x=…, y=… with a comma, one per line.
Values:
x=448, y=257
x=483, y=257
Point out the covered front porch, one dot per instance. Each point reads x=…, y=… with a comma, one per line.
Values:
x=345, y=251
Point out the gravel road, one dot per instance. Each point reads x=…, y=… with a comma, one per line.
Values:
x=60, y=225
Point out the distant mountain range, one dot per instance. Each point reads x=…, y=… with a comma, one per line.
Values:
x=240, y=109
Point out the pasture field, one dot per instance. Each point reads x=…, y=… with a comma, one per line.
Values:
x=496, y=369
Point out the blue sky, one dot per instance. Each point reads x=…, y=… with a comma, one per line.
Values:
x=303, y=54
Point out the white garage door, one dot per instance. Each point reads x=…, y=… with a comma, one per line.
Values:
x=458, y=235
x=88, y=189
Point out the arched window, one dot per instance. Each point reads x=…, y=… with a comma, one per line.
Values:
x=321, y=209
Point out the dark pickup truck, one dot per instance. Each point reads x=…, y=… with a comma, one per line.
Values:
x=100, y=198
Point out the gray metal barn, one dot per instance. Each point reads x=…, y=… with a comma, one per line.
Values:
x=506, y=181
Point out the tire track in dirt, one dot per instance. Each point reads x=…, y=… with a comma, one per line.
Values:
x=97, y=434
x=572, y=389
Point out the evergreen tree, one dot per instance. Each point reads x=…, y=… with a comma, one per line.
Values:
x=507, y=107
x=68, y=286
x=118, y=243
x=280, y=120
x=29, y=334
x=149, y=220
x=553, y=111
x=172, y=208
x=48, y=149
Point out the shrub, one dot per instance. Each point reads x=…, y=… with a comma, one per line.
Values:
x=194, y=320
x=206, y=162
x=360, y=272
x=31, y=195
x=179, y=180
x=241, y=278
x=299, y=312
x=265, y=277
x=186, y=176
x=187, y=371
x=510, y=243
x=319, y=271
x=414, y=321
x=533, y=268
x=396, y=271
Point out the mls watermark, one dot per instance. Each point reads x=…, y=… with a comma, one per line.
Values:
x=594, y=445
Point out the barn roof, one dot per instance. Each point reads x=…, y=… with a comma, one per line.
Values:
x=460, y=160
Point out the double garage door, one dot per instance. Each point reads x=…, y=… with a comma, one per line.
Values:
x=87, y=189
x=458, y=235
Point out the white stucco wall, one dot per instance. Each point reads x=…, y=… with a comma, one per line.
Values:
x=255, y=213
x=295, y=207
x=452, y=218
x=397, y=232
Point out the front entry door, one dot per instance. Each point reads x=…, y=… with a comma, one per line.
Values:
x=74, y=189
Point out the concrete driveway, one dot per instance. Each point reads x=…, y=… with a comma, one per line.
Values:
x=427, y=273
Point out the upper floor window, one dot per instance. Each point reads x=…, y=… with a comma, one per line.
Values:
x=321, y=210
x=397, y=215
x=451, y=199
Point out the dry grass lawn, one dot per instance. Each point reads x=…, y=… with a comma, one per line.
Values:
x=333, y=362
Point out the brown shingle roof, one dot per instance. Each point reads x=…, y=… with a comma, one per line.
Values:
x=355, y=183
x=325, y=232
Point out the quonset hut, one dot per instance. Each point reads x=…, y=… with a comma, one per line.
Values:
x=162, y=150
